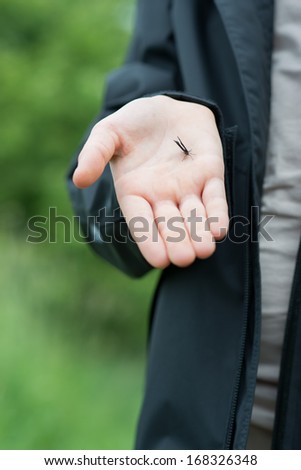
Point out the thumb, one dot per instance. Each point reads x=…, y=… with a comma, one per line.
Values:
x=102, y=144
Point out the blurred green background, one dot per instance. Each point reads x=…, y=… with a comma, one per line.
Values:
x=72, y=329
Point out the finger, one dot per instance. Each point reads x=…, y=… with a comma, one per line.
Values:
x=215, y=202
x=140, y=219
x=100, y=147
x=194, y=214
x=174, y=233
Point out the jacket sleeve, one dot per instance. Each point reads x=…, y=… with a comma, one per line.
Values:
x=151, y=66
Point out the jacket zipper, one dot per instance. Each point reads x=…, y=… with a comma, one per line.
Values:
x=236, y=389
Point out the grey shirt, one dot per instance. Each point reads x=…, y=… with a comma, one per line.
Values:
x=281, y=198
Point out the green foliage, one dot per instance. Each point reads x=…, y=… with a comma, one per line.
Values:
x=54, y=57
x=72, y=329
x=60, y=387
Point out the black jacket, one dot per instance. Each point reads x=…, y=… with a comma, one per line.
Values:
x=205, y=323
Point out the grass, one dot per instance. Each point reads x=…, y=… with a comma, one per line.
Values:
x=72, y=329
x=71, y=373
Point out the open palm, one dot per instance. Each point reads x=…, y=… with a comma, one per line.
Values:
x=173, y=200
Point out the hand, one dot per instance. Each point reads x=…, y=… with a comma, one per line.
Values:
x=155, y=180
